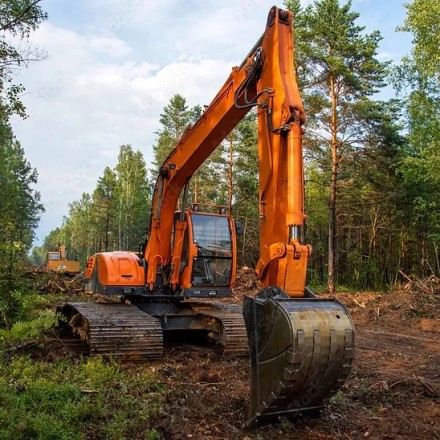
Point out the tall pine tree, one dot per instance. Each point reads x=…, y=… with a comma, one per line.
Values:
x=175, y=118
x=339, y=73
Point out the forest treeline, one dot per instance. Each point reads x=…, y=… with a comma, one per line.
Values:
x=20, y=206
x=372, y=166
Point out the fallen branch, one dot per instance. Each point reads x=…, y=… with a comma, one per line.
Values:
x=89, y=391
x=358, y=303
x=423, y=286
x=431, y=389
x=414, y=281
x=59, y=287
x=405, y=276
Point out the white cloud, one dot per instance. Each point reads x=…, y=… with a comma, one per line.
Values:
x=110, y=46
x=83, y=107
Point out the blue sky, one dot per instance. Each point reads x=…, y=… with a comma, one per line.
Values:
x=114, y=64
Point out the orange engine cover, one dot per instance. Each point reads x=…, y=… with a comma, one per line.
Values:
x=118, y=269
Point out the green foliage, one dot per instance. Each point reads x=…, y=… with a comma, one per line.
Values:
x=29, y=330
x=132, y=199
x=17, y=301
x=37, y=256
x=370, y=207
x=423, y=17
x=316, y=204
x=418, y=81
x=245, y=188
x=17, y=19
x=104, y=198
x=20, y=206
x=20, y=17
x=51, y=242
x=333, y=45
x=175, y=118
x=88, y=399
x=339, y=72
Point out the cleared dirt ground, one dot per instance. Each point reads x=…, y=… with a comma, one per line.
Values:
x=393, y=391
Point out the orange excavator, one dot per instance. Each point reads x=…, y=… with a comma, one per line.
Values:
x=301, y=346
x=57, y=262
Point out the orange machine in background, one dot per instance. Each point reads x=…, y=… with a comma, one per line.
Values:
x=57, y=261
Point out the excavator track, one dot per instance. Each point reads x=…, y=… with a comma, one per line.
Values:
x=118, y=330
x=129, y=332
x=231, y=331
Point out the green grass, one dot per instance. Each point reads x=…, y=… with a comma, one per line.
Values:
x=84, y=399
x=71, y=399
x=68, y=398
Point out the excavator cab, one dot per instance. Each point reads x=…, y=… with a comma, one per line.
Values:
x=214, y=239
x=208, y=257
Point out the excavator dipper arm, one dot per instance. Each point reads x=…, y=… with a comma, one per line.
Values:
x=192, y=150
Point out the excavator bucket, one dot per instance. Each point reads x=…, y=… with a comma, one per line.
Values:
x=301, y=353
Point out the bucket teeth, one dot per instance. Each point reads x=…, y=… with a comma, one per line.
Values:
x=301, y=353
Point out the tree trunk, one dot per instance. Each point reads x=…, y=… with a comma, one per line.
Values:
x=196, y=186
x=230, y=182
x=107, y=227
x=333, y=190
